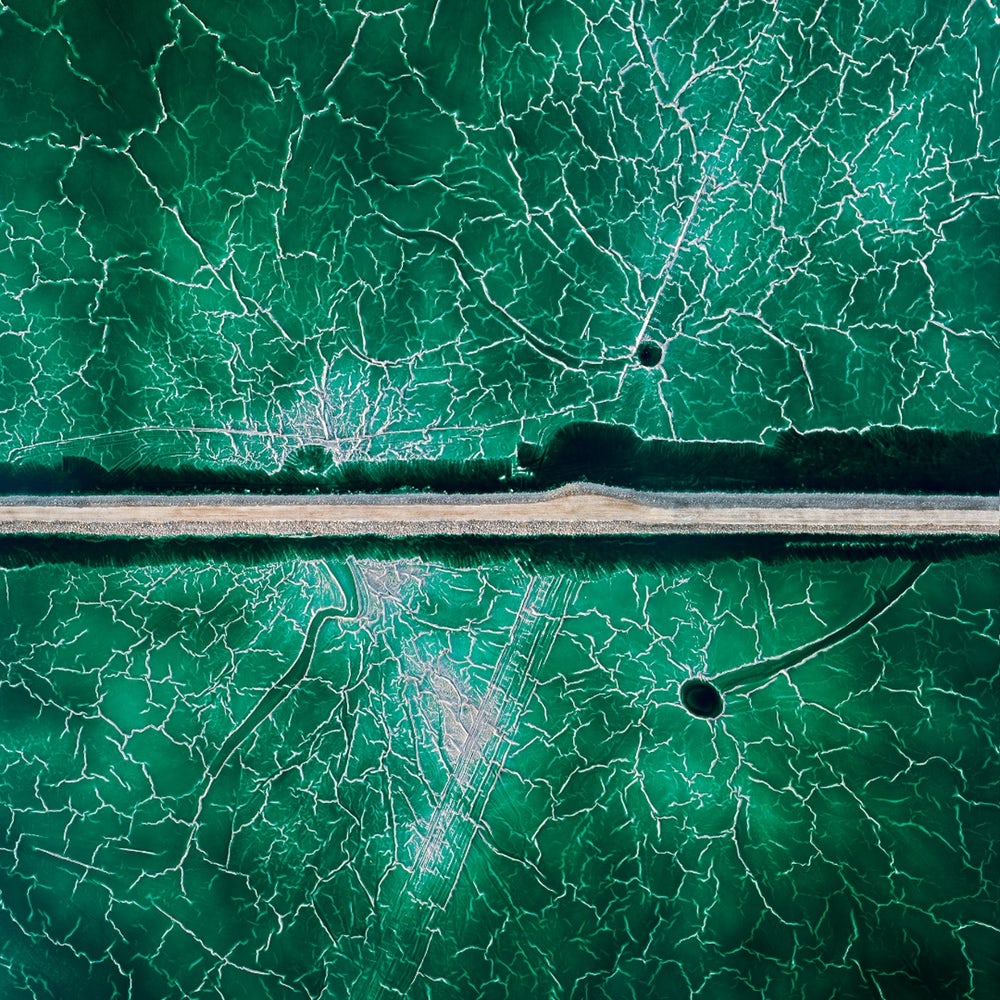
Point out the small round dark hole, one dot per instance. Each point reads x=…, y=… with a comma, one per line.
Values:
x=702, y=698
x=648, y=354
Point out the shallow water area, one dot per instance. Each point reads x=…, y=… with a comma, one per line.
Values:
x=242, y=770
x=309, y=246
x=425, y=232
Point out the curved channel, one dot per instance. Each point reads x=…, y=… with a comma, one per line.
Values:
x=762, y=670
x=347, y=578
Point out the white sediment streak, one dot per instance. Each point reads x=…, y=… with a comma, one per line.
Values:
x=581, y=510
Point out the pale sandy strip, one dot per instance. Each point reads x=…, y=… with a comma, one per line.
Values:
x=568, y=511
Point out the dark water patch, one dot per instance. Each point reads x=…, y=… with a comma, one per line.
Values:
x=308, y=471
x=702, y=698
x=649, y=354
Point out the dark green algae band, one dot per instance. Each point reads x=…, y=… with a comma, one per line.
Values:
x=580, y=558
x=884, y=460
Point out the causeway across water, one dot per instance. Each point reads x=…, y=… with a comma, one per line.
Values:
x=580, y=510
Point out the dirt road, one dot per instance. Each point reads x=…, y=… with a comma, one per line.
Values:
x=571, y=510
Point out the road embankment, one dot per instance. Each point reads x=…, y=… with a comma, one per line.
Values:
x=580, y=510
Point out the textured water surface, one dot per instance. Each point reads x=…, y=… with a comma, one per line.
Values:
x=284, y=775
x=438, y=229
x=318, y=236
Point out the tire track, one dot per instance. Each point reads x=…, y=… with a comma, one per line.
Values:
x=409, y=914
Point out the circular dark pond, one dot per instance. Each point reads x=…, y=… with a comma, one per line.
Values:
x=648, y=354
x=702, y=698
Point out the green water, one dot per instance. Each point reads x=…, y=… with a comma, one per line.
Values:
x=281, y=775
x=429, y=233
x=439, y=229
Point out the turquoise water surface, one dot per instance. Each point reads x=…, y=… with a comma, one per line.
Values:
x=435, y=230
x=346, y=237
x=231, y=770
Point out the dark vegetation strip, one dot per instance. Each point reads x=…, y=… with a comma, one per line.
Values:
x=308, y=471
x=578, y=557
x=883, y=460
